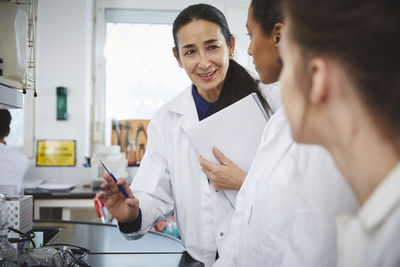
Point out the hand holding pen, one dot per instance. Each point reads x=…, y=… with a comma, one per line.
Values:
x=124, y=207
x=115, y=180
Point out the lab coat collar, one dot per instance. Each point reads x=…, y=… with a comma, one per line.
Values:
x=382, y=201
x=184, y=104
x=181, y=104
x=275, y=95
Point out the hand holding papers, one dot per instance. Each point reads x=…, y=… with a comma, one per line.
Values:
x=224, y=176
x=236, y=131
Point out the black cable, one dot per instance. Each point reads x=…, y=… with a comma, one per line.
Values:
x=68, y=245
x=27, y=237
x=71, y=251
x=77, y=260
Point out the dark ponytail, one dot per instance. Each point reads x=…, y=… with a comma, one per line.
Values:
x=238, y=82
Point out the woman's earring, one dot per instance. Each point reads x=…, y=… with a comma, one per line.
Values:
x=180, y=65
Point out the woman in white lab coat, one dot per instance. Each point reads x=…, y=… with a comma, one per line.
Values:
x=341, y=68
x=286, y=209
x=170, y=177
x=13, y=165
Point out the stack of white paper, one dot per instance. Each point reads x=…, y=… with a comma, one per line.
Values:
x=236, y=131
x=55, y=187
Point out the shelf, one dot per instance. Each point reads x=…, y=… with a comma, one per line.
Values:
x=10, y=98
x=11, y=83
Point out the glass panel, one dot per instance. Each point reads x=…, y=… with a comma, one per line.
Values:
x=16, y=136
x=141, y=71
x=140, y=16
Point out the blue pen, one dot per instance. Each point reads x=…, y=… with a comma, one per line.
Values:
x=115, y=180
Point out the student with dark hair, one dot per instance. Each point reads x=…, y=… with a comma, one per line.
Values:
x=13, y=165
x=341, y=69
x=285, y=212
x=5, y=120
x=170, y=177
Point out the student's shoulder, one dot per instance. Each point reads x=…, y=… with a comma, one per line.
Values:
x=278, y=121
x=271, y=93
x=13, y=155
x=277, y=130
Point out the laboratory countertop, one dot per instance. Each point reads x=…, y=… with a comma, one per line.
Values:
x=77, y=192
x=108, y=247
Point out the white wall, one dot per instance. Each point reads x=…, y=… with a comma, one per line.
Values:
x=64, y=37
x=64, y=58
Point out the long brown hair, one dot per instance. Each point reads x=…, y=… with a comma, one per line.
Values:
x=364, y=36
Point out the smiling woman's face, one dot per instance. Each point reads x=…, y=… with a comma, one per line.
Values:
x=204, y=54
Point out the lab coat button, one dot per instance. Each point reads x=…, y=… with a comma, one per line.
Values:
x=221, y=234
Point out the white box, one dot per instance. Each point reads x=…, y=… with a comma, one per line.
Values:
x=20, y=213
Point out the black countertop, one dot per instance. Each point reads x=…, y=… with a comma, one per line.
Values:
x=109, y=248
x=77, y=192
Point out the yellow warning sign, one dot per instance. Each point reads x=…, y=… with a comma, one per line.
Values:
x=55, y=153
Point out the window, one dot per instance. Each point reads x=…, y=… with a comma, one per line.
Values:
x=135, y=70
x=16, y=137
x=141, y=73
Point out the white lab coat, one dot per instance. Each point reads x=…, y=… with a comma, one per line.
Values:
x=13, y=167
x=285, y=211
x=371, y=237
x=170, y=178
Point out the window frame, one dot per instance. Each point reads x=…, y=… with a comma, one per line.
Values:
x=98, y=100
x=28, y=147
